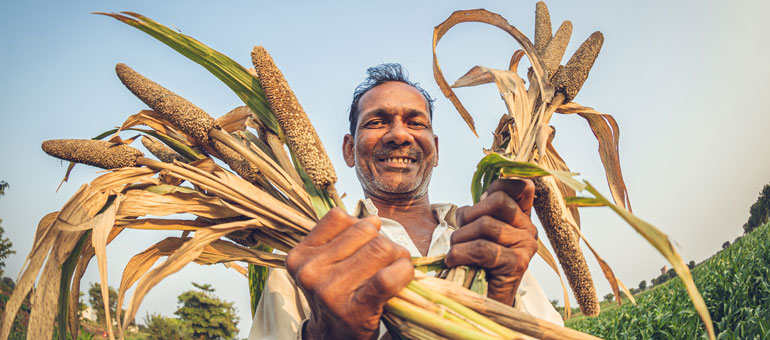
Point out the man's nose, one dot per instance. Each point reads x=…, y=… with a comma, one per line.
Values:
x=398, y=134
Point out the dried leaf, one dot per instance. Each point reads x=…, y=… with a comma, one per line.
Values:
x=607, y=134
x=513, y=65
x=26, y=279
x=161, y=224
x=484, y=16
x=142, y=262
x=235, y=266
x=46, y=295
x=99, y=236
x=235, y=120
x=188, y=252
x=156, y=122
x=145, y=202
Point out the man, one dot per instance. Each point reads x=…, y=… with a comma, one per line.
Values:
x=350, y=265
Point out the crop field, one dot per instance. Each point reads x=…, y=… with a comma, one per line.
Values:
x=735, y=284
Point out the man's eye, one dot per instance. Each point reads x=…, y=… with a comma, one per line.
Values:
x=418, y=125
x=374, y=124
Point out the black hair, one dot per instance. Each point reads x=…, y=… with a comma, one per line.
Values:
x=379, y=75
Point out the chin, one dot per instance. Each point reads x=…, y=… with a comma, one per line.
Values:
x=410, y=187
x=413, y=189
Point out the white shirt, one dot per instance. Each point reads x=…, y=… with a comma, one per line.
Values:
x=283, y=307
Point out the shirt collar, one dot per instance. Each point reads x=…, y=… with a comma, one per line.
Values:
x=443, y=212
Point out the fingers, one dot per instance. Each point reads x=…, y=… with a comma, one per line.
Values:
x=371, y=257
x=521, y=190
x=334, y=222
x=487, y=254
x=498, y=205
x=387, y=282
x=507, y=200
x=477, y=252
x=494, y=230
x=352, y=239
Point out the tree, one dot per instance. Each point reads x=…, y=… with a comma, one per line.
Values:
x=691, y=265
x=7, y=284
x=643, y=285
x=759, y=212
x=160, y=327
x=726, y=245
x=81, y=305
x=5, y=243
x=205, y=315
x=609, y=297
x=95, y=299
x=555, y=303
x=5, y=249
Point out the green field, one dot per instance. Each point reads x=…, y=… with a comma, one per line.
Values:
x=735, y=284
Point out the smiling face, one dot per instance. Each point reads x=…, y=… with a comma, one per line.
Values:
x=394, y=149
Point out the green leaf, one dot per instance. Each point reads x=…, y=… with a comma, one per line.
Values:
x=583, y=201
x=223, y=67
x=661, y=242
x=181, y=148
x=257, y=279
x=495, y=165
x=68, y=269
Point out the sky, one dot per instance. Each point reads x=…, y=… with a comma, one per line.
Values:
x=684, y=81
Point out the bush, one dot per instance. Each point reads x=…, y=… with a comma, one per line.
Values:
x=735, y=283
x=160, y=327
x=207, y=316
x=759, y=212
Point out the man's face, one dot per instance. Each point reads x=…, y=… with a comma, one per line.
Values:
x=394, y=150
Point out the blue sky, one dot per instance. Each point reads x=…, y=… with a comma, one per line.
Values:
x=684, y=80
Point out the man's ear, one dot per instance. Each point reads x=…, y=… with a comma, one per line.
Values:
x=435, y=140
x=348, y=153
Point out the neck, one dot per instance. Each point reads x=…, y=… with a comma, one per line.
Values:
x=413, y=213
x=401, y=209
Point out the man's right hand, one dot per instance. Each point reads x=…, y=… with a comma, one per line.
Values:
x=348, y=270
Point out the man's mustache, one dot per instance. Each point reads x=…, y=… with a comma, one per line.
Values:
x=392, y=152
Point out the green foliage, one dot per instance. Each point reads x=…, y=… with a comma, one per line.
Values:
x=5, y=243
x=759, y=213
x=5, y=249
x=81, y=305
x=205, y=315
x=83, y=334
x=609, y=297
x=257, y=279
x=19, y=326
x=95, y=299
x=735, y=284
x=160, y=327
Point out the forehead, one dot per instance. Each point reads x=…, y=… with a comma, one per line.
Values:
x=392, y=97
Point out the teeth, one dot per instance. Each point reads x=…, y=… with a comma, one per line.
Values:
x=398, y=160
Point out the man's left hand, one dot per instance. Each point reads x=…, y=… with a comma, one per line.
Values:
x=497, y=234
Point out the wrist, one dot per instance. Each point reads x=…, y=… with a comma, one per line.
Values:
x=314, y=329
x=319, y=329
